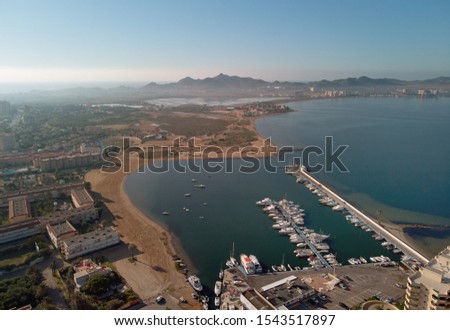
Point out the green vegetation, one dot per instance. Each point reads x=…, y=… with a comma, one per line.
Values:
x=190, y=126
x=97, y=285
x=15, y=255
x=236, y=137
x=23, y=290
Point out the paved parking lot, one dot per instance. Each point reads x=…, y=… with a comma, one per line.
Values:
x=364, y=281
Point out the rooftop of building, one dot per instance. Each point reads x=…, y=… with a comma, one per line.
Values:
x=286, y=290
x=82, y=196
x=91, y=236
x=256, y=300
x=61, y=228
x=436, y=274
x=18, y=207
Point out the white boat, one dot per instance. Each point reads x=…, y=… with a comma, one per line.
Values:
x=232, y=262
x=165, y=213
x=217, y=288
x=248, y=265
x=258, y=268
x=363, y=260
x=286, y=231
x=338, y=208
x=187, y=195
x=217, y=301
x=221, y=274
x=318, y=238
x=195, y=282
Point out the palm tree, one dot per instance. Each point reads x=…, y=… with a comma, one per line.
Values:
x=131, y=248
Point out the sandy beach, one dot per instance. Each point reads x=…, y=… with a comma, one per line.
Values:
x=154, y=271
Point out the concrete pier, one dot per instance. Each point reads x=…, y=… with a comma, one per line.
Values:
x=407, y=250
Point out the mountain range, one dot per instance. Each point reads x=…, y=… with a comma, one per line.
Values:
x=220, y=86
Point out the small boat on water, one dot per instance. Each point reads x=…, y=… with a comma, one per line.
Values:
x=363, y=260
x=338, y=208
x=248, y=265
x=258, y=267
x=217, y=301
x=187, y=195
x=221, y=274
x=218, y=288
x=194, y=281
x=165, y=213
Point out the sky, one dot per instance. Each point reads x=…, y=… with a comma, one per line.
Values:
x=142, y=41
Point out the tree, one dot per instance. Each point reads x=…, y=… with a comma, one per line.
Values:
x=131, y=248
x=53, y=266
x=96, y=285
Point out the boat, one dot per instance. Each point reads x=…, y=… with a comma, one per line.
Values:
x=205, y=204
x=302, y=253
x=274, y=268
x=232, y=261
x=258, y=268
x=200, y=186
x=217, y=288
x=194, y=180
x=248, y=265
x=187, y=195
x=338, y=208
x=165, y=213
x=217, y=301
x=286, y=231
x=354, y=261
x=363, y=260
x=221, y=274
x=318, y=238
x=194, y=281
x=397, y=250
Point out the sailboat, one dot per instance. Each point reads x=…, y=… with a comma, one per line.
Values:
x=282, y=267
x=232, y=262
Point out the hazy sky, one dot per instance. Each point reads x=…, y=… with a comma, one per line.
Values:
x=166, y=40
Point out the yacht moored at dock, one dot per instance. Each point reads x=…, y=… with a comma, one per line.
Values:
x=194, y=281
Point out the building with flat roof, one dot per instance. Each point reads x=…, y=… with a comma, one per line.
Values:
x=81, y=198
x=286, y=292
x=253, y=300
x=429, y=288
x=19, y=230
x=87, y=268
x=89, y=242
x=19, y=209
x=59, y=232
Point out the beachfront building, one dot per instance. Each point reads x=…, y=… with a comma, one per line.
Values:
x=89, y=242
x=58, y=232
x=429, y=288
x=87, y=268
x=19, y=209
x=81, y=198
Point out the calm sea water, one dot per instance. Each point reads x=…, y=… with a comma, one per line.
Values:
x=398, y=164
x=397, y=156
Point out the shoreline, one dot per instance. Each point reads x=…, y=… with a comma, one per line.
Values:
x=133, y=224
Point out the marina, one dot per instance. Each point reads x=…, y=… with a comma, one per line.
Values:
x=357, y=217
